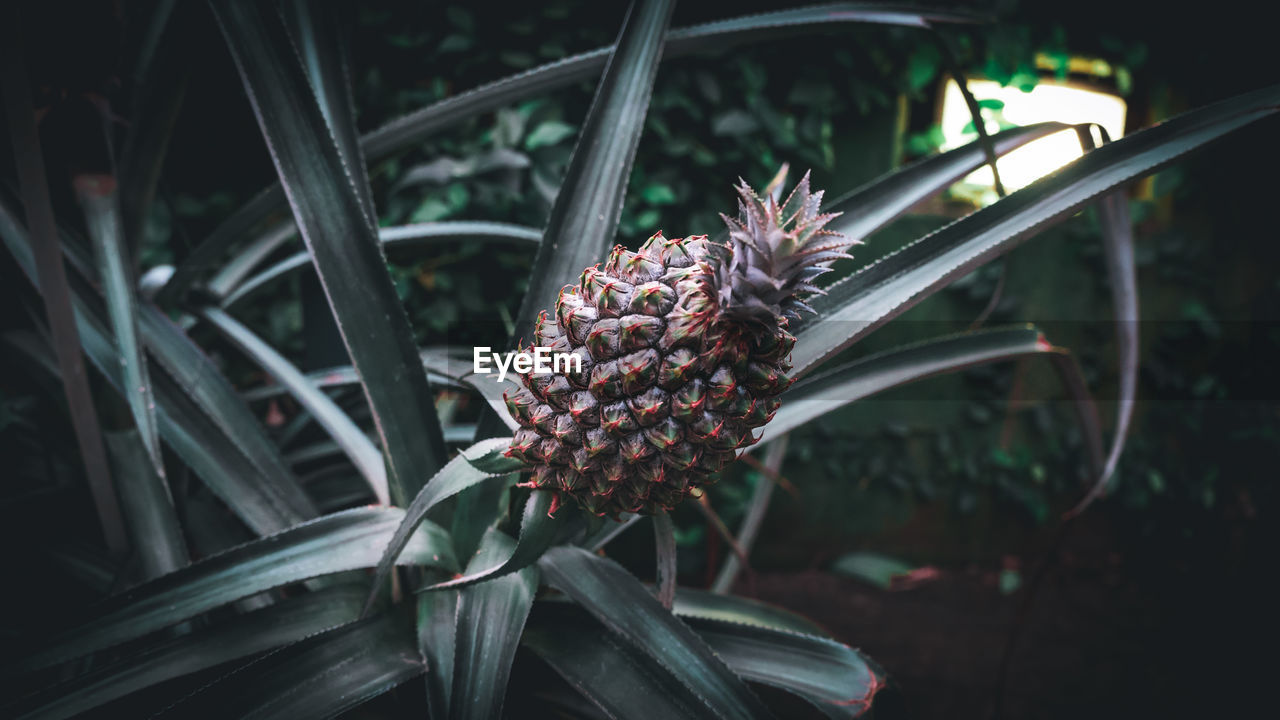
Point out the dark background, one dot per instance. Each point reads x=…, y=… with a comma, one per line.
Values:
x=1156, y=602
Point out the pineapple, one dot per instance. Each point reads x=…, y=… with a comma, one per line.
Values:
x=684, y=350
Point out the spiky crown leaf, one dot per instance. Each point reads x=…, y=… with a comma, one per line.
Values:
x=774, y=253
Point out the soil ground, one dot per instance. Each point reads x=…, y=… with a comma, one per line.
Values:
x=1116, y=629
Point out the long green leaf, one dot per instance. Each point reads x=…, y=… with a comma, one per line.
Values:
x=416, y=235
x=316, y=29
x=876, y=203
x=586, y=211
x=457, y=475
x=255, y=632
x=538, y=530
x=696, y=603
x=410, y=130
x=54, y=290
x=627, y=608
x=1122, y=276
x=816, y=396
x=100, y=200
x=876, y=294
x=819, y=395
x=199, y=379
x=832, y=676
x=343, y=245
x=437, y=635
x=152, y=521
x=320, y=677
x=624, y=682
x=348, y=540
x=491, y=617
x=442, y=369
x=340, y=427
x=160, y=85
x=199, y=414
x=835, y=678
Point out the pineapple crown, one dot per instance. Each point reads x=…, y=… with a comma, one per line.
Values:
x=766, y=269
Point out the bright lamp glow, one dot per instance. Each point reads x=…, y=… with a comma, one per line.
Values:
x=1045, y=102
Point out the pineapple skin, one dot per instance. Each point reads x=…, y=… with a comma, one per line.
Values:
x=668, y=392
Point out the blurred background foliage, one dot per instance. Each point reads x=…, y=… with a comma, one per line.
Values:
x=955, y=470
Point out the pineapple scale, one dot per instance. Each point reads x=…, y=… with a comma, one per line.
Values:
x=667, y=394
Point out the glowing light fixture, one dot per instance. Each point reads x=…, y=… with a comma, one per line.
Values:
x=1007, y=106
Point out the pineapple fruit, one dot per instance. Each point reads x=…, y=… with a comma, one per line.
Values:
x=684, y=351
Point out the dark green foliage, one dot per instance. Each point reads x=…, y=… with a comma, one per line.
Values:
x=286, y=480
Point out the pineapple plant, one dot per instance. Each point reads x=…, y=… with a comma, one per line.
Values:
x=254, y=596
x=684, y=351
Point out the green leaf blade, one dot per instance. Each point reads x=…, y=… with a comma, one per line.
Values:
x=344, y=431
x=317, y=678
x=409, y=130
x=627, y=608
x=834, y=677
x=876, y=294
x=491, y=618
x=100, y=200
x=152, y=521
x=258, y=631
x=585, y=215
x=816, y=396
x=457, y=475
x=348, y=540
x=619, y=679
x=343, y=245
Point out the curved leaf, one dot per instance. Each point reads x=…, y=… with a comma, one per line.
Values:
x=281, y=624
x=696, y=603
x=348, y=540
x=343, y=244
x=46, y=260
x=832, y=676
x=317, y=678
x=437, y=635
x=99, y=198
x=409, y=130
x=538, y=530
x=420, y=234
x=340, y=427
x=150, y=517
x=819, y=395
x=160, y=83
x=835, y=678
x=491, y=618
x=316, y=30
x=1122, y=275
x=627, y=608
x=624, y=682
x=885, y=289
x=586, y=211
x=875, y=204
x=816, y=396
x=457, y=475
x=199, y=414
x=440, y=371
